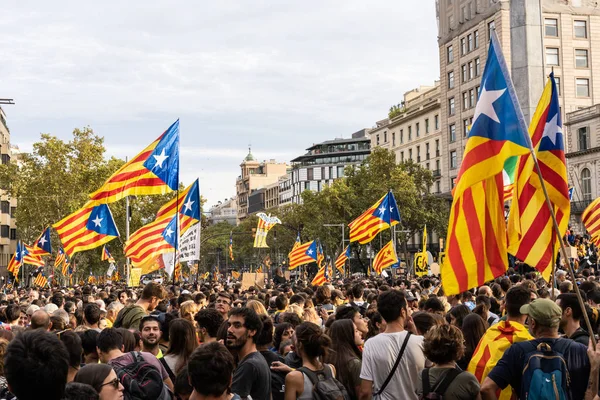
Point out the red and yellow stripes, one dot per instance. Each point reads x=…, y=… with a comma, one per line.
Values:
x=364, y=228
x=591, y=220
x=40, y=280
x=147, y=243
x=319, y=278
x=385, y=258
x=299, y=257
x=31, y=259
x=168, y=209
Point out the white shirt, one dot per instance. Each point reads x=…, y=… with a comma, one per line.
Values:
x=379, y=356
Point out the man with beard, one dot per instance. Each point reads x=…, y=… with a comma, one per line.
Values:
x=150, y=334
x=223, y=303
x=130, y=316
x=252, y=376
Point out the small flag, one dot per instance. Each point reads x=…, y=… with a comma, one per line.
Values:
x=42, y=246
x=591, y=220
x=235, y=274
x=303, y=254
x=571, y=190
x=40, y=280
x=30, y=259
x=60, y=258
x=264, y=225
x=422, y=267
x=378, y=217
x=259, y=270
x=320, y=277
x=66, y=269
x=106, y=256
x=177, y=273
x=206, y=275
x=16, y=261
x=231, y=245
x=340, y=262
x=385, y=258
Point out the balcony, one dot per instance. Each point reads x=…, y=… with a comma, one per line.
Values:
x=436, y=173
x=577, y=207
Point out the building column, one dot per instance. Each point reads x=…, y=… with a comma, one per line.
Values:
x=527, y=53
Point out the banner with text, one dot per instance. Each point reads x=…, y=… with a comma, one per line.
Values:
x=189, y=244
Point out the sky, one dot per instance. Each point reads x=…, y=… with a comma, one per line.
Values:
x=278, y=76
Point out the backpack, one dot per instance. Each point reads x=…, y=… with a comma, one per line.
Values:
x=141, y=380
x=437, y=393
x=545, y=373
x=325, y=386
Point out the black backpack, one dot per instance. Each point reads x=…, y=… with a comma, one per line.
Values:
x=141, y=380
x=437, y=393
x=325, y=386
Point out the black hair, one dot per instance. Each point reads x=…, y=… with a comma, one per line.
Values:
x=345, y=312
x=91, y=313
x=210, y=369
x=266, y=335
x=312, y=339
x=80, y=391
x=281, y=302
x=58, y=298
x=390, y=304
x=72, y=343
x=40, y=358
x=296, y=298
x=569, y=300
x=148, y=318
x=434, y=304
x=182, y=386
x=88, y=341
x=358, y=290
x=209, y=319
x=516, y=297
x=252, y=321
x=13, y=312
x=109, y=339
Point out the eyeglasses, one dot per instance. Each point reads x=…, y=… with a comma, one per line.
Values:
x=114, y=383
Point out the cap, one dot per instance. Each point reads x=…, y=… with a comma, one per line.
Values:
x=409, y=296
x=543, y=311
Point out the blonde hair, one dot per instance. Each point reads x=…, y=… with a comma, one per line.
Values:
x=258, y=307
x=188, y=308
x=296, y=309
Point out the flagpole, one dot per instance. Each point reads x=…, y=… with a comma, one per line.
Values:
x=553, y=275
x=127, y=217
x=177, y=236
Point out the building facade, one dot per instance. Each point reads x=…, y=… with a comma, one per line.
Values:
x=325, y=162
x=225, y=211
x=255, y=175
x=8, y=205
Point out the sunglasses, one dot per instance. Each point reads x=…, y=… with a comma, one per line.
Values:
x=114, y=383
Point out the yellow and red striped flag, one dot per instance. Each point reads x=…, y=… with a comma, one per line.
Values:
x=385, y=258
x=29, y=258
x=153, y=171
x=259, y=270
x=476, y=250
x=340, y=262
x=106, y=256
x=531, y=234
x=42, y=246
x=60, y=258
x=378, y=217
x=177, y=272
x=497, y=339
x=235, y=274
x=14, y=265
x=87, y=228
x=303, y=254
x=320, y=278
x=263, y=226
x=40, y=280
x=591, y=220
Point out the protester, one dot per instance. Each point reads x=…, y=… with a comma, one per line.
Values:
x=473, y=329
x=72, y=343
x=571, y=318
x=223, y=303
x=182, y=345
x=150, y=335
x=210, y=371
x=345, y=357
x=131, y=315
x=209, y=320
x=103, y=379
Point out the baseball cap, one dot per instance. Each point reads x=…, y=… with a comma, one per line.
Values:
x=543, y=311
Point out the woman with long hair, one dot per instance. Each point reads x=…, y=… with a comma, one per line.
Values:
x=182, y=344
x=457, y=314
x=312, y=345
x=376, y=324
x=345, y=355
x=473, y=329
x=188, y=310
x=103, y=379
x=257, y=306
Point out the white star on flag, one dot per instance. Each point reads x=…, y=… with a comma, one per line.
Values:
x=160, y=158
x=552, y=129
x=42, y=241
x=485, y=104
x=310, y=252
x=169, y=232
x=381, y=210
x=97, y=221
x=188, y=205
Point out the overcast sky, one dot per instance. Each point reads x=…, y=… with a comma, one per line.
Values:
x=279, y=75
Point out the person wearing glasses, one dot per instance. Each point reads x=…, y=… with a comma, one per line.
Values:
x=103, y=379
x=223, y=303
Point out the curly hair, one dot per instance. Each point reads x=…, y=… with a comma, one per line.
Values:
x=443, y=344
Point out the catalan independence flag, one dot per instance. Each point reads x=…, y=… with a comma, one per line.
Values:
x=231, y=245
x=189, y=206
x=476, y=250
x=591, y=220
x=303, y=254
x=340, y=262
x=60, y=258
x=531, y=235
x=87, y=228
x=29, y=258
x=385, y=258
x=153, y=171
x=235, y=274
x=496, y=340
x=14, y=265
x=42, y=246
x=66, y=267
x=40, y=280
x=150, y=241
x=106, y=256
x=378, y=217
x=320, y=278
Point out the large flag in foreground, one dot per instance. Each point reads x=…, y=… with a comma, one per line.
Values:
x=153, y=171
x=591, y=220
x=303, y=254
x=378, y=217
x=531, y=235
x=476, y=243
x=87, y=228
x=385, y=258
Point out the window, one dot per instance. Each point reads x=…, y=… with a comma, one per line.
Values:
x=452, y=131
x=465, y=127
x=401, y=156
x=13, y=234
x=450, y=54
x=453, y=159
x=583, y=136
x=307, y=185
x=410, y=154
x=437, y=187
x=418, y=153
x=426, y=125
x=384, y=136
x=463, y=46
x=452, y=182
x=557, y=80
x=340, y=171
x=581, y=58
x=401, y=135
x=580, y=29
x=436, y=122
x=417, y=129
x=470, y=43
x=410, y=133
x=465, y=101
x=310, y=175
x=451, y=106
x=13, y=212
x=437, y=148
x=377, y=139
x=427, y=151
x=427, y=166
x=463, y=72
x=586, y=184
x=551, y=56
x=491, y=29
x=583, y=87
x=437, y=165
x=393, y=138
x=476, y=39
x=472, y=98
x=477, y=67
x=5, y=159
x=551, y=27
x=451, y=80
x=471, y=70
x=4, y=207
x=4, y=231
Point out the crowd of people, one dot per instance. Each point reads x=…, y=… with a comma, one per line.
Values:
x=356, y=338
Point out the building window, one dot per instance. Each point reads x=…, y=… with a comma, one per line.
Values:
x=5, y=159
x=310, y=175
x=450, y=54
x=471, y=70
x=340, y=171
x=427, y=166
x=491, y=28
x=580, y=29
x=583, y=87
x=463, y=72
x=410, y=154
x=581, y=58
x=465, y=97
x=470, y=43
x=551, y=27
x=557, y=80
x=410, y=133
x=418, y=153
x=401, y=135
x=4, y=207
x=393, y=138
x=451, y=106
x=436, y=122
x=377, y=139
x=13, y=234
x=476, y=38
x=426, y=125
x=551, y=56
x=401, y=156
x=472, y=98
x=477, y=67
x=452, y=131
x=437, y=165
x=427, y=151
x=437, y=187
x=586, y=184
x=465, y=127
x=417, y=129
x=13, y=212
x=463, y=46
x=437, y=148
x=384, y=136
x=453, y=159
x=5, y=231
x=583, y=136
x=451, y=80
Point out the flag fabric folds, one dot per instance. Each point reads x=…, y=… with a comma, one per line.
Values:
x=421, y=268
x=189, y=207
x=259, y=270
x=591, y=220
x=60, y=258
x=40, y=280
x=385, y=258
x=264, y=225
x=340, y=262
x=378, y=217
x=29, y=258
x=153, y=171
x=235, y=274
x=106, y=256
x=531, y=235
x=320, y=278
x=66, y=267
x=87, y=228
x=303, y=254
x=42, y=246
x=476, y=250
x=14, y=265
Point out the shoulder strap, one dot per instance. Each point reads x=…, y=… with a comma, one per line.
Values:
x=168, y=369
x=425, y=382
x=314, y=379
x=389, y=378
x=448, y=378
